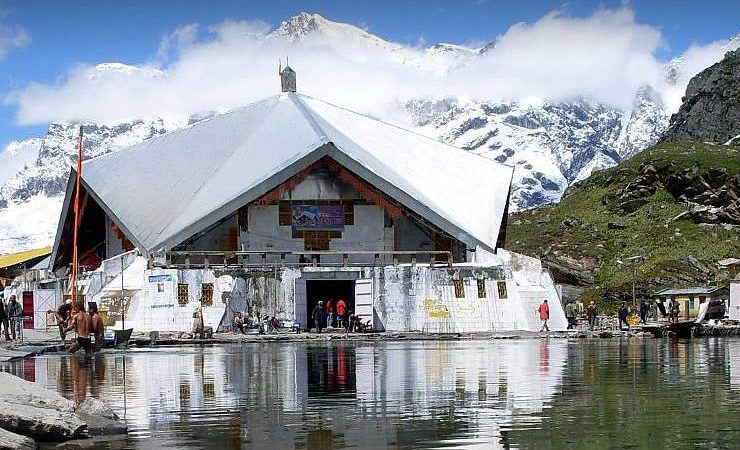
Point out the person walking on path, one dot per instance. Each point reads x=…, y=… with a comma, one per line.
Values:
x=97, y=327
x=82, y=324
x=330, y=313
x=673, y=310
x=544, y=311
x=570, y=314
x=4, y=323
x=15, y=314
x=624, y=311
x=317, y=314
x=644, y=311
x=341, y=311
x=592, y=312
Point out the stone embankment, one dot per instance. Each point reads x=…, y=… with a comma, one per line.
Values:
x=30, y=413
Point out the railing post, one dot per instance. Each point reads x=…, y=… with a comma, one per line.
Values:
x=345, y=259
x=449, y=259
x=206, y=263
x=187, y=261
x=413, y=260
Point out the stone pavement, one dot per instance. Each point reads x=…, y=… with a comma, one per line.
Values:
x=34, y=341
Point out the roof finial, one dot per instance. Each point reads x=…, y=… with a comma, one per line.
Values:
x=287, y=77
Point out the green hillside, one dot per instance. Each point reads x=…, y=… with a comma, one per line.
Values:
x=632, y=210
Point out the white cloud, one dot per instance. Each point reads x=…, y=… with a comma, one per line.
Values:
x=691, y=62
x=605, y=56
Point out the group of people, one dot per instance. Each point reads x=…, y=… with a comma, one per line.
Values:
x=645, y=310
x=11, y=316
x=269, y=324
x=324, y=314
x=86, y=325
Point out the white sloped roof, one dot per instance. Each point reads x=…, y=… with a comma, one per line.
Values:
x=165, y=189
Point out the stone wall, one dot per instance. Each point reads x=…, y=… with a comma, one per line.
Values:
x=462, y=298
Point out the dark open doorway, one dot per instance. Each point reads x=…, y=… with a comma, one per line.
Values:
x=323, y=290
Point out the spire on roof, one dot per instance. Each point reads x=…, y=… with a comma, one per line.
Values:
x=287, y=78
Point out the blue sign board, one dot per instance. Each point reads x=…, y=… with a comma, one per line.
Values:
x=317, y=217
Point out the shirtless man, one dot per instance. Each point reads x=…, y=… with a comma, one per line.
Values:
x=96, y=326
x=82, y=324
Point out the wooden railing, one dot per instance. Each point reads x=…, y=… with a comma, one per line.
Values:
x=185, y=259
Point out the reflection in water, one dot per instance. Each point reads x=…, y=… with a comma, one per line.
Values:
x=486, y=394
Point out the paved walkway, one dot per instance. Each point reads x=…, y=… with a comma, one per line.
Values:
x=34, y=341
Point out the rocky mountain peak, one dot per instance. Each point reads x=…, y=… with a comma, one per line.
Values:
x=711, y=107
x=300, y=25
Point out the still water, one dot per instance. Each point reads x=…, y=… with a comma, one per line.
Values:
x=530, y=393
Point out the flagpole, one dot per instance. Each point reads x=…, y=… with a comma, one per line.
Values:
x=75, y=262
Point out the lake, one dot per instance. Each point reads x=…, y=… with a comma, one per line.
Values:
x=521, y=393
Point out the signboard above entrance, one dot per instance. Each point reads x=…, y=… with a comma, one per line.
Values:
x=317, y=217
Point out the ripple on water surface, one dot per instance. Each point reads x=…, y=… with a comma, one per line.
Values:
x=468, y=394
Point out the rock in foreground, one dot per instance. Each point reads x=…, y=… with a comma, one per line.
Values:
x=32, y=410
x=12, y=441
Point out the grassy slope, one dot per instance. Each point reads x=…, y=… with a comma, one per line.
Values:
x=665, y=247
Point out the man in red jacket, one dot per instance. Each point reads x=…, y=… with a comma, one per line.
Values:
x=544, y=311
x=341, y=311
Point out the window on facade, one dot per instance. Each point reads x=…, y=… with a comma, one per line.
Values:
x=702, y=299
x=459, y=288
x=284, y=217
x=316, y=240
x=691, y=302
x=182, y=294
x=501, y=285
x=206, y=294
x=481, y=288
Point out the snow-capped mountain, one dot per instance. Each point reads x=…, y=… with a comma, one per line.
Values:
x=551, y=144
x=31, y=200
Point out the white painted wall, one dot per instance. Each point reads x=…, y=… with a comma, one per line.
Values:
x=734, y=309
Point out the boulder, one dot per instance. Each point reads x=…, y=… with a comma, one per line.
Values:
x=46, y=424
x=616, y=226
x=18, y=390
x=102, y=426
x=632, y=205
x=101, y=420
x=91, y=406
x=12, y=441
x=570, y=271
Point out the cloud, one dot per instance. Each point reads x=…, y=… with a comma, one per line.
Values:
x=12, y=36
x=605, y=56
x=692, y=61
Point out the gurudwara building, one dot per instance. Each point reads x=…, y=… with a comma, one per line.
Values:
x=272, y=207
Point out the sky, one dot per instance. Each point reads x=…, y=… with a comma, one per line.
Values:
x=547, y=48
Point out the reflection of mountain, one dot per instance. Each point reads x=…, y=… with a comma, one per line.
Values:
x=643, y=394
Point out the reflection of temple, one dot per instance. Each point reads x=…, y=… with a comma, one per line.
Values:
x=305, y=396
x=402, y=394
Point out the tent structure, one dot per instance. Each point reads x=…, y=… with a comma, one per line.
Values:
x=163, y=190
